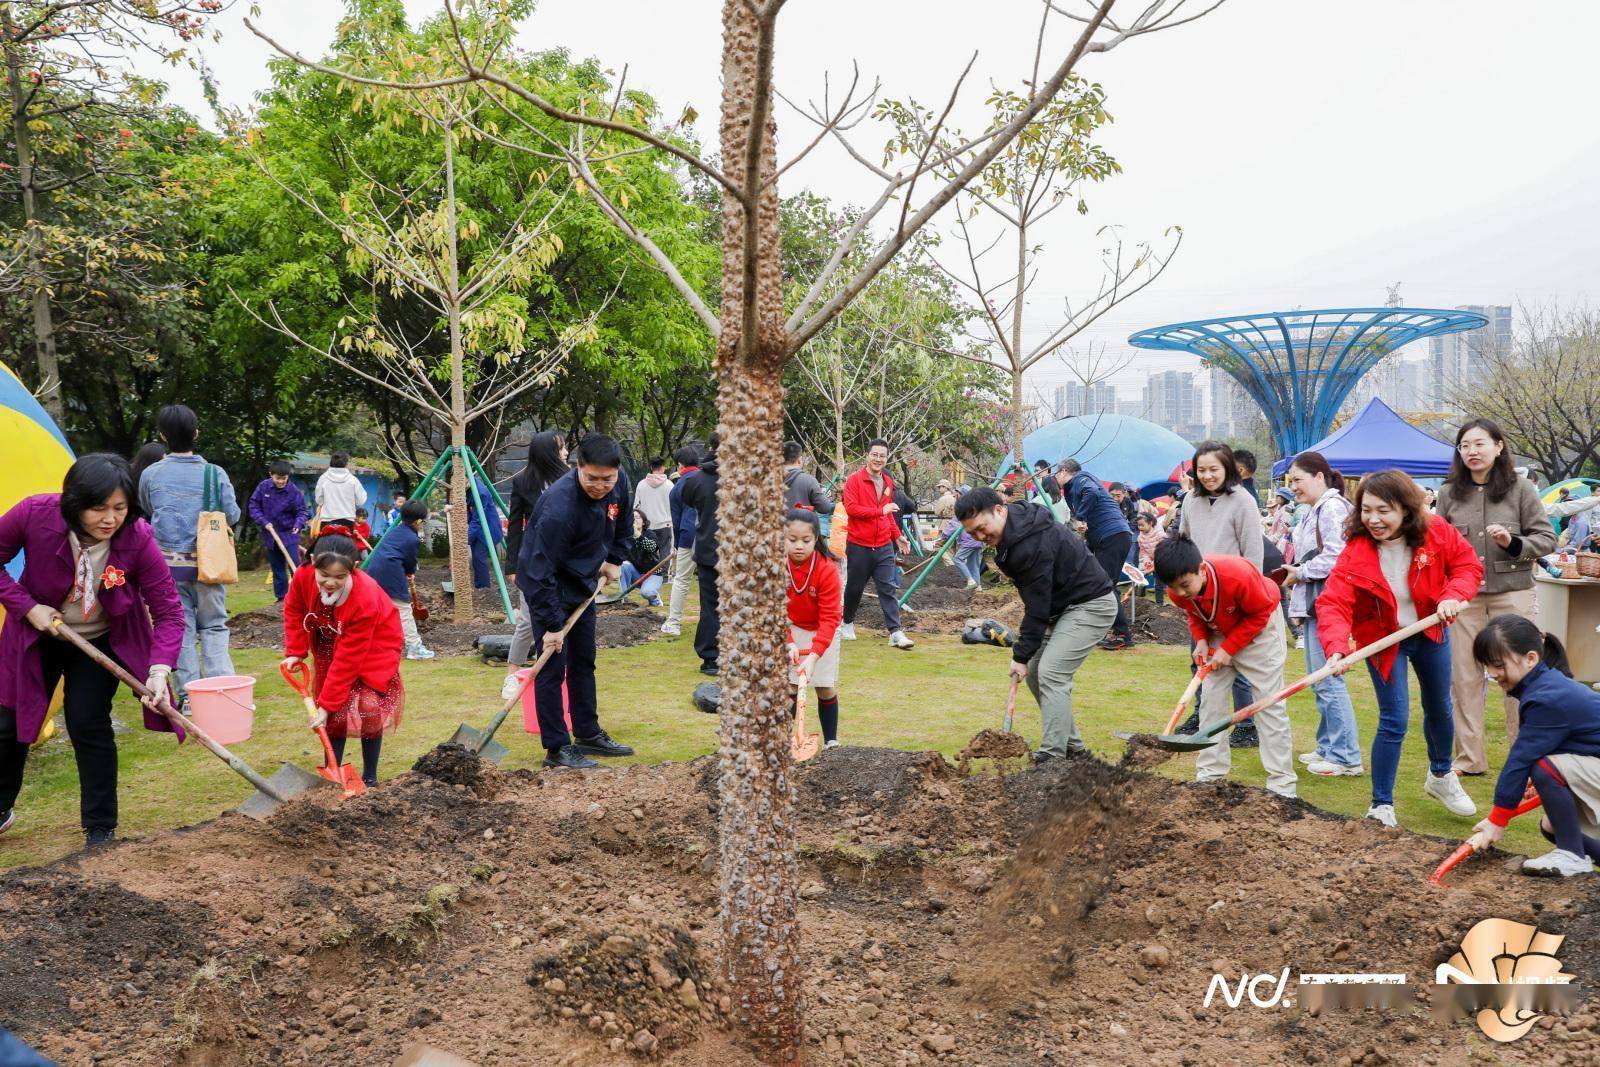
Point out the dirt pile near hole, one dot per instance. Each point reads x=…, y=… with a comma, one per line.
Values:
x=1070, y=913
x=1005, y=749
x=452, y=764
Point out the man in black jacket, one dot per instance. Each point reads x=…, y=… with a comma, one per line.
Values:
x=1068, y=603
x=699, y=491
x=580, y=533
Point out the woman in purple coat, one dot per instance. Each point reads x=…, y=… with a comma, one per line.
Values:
x=85, y=565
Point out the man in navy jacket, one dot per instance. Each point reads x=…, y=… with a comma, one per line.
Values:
x=580, y=533
x=1108, y=534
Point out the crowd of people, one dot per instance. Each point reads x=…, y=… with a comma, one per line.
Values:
x=1326, y=569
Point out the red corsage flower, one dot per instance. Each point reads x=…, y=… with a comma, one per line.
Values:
x=112, y=578
x=611, y=512
x=1421, y=559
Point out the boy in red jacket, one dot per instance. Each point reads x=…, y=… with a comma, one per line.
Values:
x=1237, y=627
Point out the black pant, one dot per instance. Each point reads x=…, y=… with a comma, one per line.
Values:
x=710, y=624
x=878, y=564
x=573, y=666
x=1111, y=554
x=90, y=689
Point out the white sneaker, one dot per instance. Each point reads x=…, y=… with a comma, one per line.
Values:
x=1558, y=863
x=1330, y=769
x=898, y=639
x=671, y=629
x=1383, y=813
x=847, y=631
x=831, y=744
x=510, y=687
x=1446, y=789
x=971, y=584
x=1300, y=643
x=1310, y=757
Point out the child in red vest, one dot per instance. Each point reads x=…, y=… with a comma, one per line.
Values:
x=816, y=604
x=1234, y=617
x=344, y=620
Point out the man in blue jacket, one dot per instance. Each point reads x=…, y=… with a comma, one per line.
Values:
x=485, y=550
x=279, y=504
x=580, y=533
x=1107, y=533
x=683, y=528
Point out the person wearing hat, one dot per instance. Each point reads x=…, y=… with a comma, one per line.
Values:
x=944, y=504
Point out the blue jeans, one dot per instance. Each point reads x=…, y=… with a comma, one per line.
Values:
x=1337, y=738
x=651, y=587
x=969, y=561
x=205, y=633
x=282, y=567
x=1431, y=661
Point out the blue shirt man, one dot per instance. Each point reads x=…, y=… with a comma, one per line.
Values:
x=1107, y=534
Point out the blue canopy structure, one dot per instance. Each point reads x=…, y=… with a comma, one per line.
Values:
x=1378, y=439
x=1113, y=448
x=1301, y=365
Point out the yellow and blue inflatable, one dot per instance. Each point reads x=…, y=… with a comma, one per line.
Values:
x=34, y=457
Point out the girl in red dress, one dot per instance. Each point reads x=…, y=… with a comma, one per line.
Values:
x=349, y=627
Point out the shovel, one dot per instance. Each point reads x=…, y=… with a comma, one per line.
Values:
x=1195, y=742
x=289, y=782
x=346, y=777
x=1011, y=705
x=804, y=745
x=482, y=742
x=1475, y=843
x=1182, y=707
x=294, y=560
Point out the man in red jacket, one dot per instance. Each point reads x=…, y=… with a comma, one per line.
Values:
x=874, y=534
x=1238, y=628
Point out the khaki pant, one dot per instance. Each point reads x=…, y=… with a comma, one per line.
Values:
x=682, y=571
x=1469, y=687
x=1067, y=643
x=408, y=625
x=1261, y=664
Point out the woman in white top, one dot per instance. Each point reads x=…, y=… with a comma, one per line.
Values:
x=1317, y=540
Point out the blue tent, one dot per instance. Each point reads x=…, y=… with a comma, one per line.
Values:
x=1113, y=448
x=1378, y=439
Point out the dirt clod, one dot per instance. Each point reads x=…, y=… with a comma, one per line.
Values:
x=454, y=765
x=991, y=744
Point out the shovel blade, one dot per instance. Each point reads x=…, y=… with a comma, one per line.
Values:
x=289, y=781
x=346, y=777
x=472, y=740
x=1187, y=742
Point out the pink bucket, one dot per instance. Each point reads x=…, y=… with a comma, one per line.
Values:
x=530, y=711
x=224, y=706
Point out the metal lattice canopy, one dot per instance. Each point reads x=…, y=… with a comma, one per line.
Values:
x=1301, y=365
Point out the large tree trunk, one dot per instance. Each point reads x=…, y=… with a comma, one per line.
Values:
x=758, y=868
x=38, y=285
x=460, y=491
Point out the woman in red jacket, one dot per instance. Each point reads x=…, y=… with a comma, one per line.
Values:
x=344, y=620
x=1401, y=564
x=815, y=607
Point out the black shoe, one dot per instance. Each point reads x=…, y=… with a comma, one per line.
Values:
x=1115, y=643
x=7, y=819
x=1244, y=736
x=600, y=745
x=710, y=668
x=99, y=837
x=568, y=756
x=1041, y=756
x=1191, y=725
x=370, y=783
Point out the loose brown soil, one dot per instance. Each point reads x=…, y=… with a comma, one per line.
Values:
x=1070, y=913
x=616, y=626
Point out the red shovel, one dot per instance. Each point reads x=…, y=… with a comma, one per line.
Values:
x=1475, y=843
x=346, y=777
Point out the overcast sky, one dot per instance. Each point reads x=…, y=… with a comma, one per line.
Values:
x=1313, y=152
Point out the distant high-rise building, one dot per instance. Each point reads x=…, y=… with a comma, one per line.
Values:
x=1171, y=400
x=1074, y=399
x=1232, y=409
x=1403, y=384
x=1457, y=360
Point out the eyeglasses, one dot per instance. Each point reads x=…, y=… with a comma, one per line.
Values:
x=1467, y=447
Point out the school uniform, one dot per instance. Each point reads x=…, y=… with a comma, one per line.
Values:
x=815, y=609
x=1561, y=726
x=1238, y=612
x=392, y=565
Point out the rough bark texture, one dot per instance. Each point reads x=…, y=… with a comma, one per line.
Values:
x=44, y=332
x=758, y=870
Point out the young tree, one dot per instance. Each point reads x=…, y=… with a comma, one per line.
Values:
x=1543, y=390
x=756, y=339
x=71, y=112
x=1042, y=169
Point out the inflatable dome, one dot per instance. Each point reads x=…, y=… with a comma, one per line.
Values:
x=1113, y=448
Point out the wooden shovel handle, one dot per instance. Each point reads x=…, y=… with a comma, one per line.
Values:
x=1188, y=695
x=295, y=559
x=1326, y=671
x=533, y=672
x=1011, y=705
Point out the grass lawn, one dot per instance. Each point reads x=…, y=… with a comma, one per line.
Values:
x=936, y=696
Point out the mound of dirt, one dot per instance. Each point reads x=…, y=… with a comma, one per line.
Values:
x=454, y=765
x=1073, y=912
